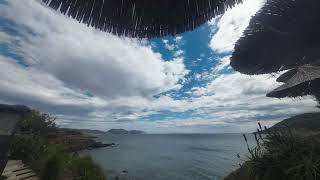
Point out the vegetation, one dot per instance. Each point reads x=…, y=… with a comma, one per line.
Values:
x=304, y=123
x=37, y=123
x=50, y=161
x=280, y=154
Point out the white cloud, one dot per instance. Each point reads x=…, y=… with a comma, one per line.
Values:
x=222, y=64
x=178, y=39
x=87, y=59
x=27, y=84
x=4, y=38
x=178, y=53
x=175, y=46
x=233, y=101
x=232, y=24
x=170, y=47
x=239, y=100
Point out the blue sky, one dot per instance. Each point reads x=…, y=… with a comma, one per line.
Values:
x=92, y=79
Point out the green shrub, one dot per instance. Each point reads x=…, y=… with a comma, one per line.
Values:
x=85, y=169
x=279, y=155
x=52, y=168
x=26, y=149
x=37, y=123
x=51, y=162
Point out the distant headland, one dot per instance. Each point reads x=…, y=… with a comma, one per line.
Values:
x=123, y=131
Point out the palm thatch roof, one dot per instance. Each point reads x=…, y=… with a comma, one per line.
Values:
x=142, y=18
x=305, y=81
x=9, y=117
x=282, y=35
x=287, y=75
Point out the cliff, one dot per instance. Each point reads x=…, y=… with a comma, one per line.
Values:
x=74, y=140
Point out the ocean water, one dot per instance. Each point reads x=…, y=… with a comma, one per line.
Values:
x=170, y=156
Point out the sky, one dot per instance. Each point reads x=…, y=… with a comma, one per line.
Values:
x=95, y=80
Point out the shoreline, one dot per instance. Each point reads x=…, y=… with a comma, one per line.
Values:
x=72, y=140
x=76, y=140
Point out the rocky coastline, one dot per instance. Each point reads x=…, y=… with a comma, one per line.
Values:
x=72, y=140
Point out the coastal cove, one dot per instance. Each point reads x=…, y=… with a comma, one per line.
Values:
x=169, y=156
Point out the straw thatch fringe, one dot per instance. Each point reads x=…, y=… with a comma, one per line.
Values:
x=306, y=88
x=304, y=80
x=282, y=35
x=142, y=18
x=287, y=75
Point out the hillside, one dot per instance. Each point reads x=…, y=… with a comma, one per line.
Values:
x=309, y=122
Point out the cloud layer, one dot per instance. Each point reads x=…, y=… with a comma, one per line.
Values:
x=86, y=59
x=91, y=79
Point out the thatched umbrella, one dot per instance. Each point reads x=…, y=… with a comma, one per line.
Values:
x=304, y=80
x=312, y=68
x=9, y=117
x=142, y=18
x=287, y=75
x=282, y=35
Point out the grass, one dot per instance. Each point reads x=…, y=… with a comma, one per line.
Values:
x=281, y=155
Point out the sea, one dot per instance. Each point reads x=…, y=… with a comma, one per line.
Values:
x=170, y=156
